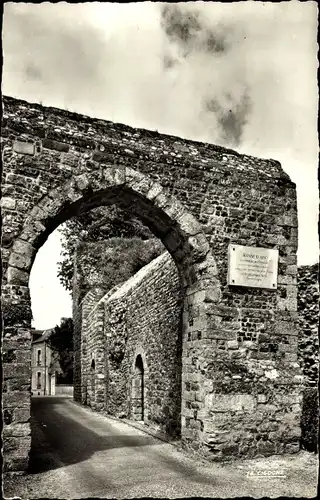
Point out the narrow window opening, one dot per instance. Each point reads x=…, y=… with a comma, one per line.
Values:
x=39, y=380
x=138, y=390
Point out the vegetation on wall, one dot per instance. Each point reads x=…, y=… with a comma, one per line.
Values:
x=115, y=260
x=61, y=343
x=100, y=224
x=15, y=314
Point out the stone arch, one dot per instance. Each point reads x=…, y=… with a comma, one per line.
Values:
x=139, y=351
x=166, y=217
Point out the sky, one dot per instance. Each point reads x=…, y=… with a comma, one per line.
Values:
x=241, y=75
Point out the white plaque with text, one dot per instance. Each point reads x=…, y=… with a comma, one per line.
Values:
x=253, y=266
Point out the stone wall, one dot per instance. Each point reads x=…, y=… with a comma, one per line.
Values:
x=308, y=308
x=100, y=266
x=142, y=317
x=248, y=408
x=91, y=341
x=239, y=344
x=85, y=278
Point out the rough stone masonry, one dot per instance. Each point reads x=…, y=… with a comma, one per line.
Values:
x=140, y=318
x=241, y=382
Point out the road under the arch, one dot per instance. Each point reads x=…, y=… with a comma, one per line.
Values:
x=81, y=454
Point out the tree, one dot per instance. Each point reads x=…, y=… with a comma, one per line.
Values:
x=112, y=262
x=99, y=224
x=61, y=342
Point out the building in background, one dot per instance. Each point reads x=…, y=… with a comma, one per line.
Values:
x=43, y=380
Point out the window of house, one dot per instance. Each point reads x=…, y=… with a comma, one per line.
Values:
x=38, y=380
x=39, y=357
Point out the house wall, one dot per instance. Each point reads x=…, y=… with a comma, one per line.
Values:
x=47, y=379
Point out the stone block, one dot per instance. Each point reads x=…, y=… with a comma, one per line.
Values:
x=232, y=344
x=267, y=408
x=198, y=247
x=213, y=294
x=17, y=276
x=265, y=447
x=292, y=291
x=189, y=395
x=8, y=203
x=12, y=370
x=16, y=399
x=82, y=182
x=154, y=191
x=285, y=327
x=249, y=344
x=230, y=402
x=287, y=279
x=21, y=415
x=17, y=445
x=292, y=447
x=26, y=148
x=15, y=463
x=290, y=356
x=16, y=430
x=188, y=224
x=56, y=145
x=23, y=247
x=31, y=230
x=20, y=261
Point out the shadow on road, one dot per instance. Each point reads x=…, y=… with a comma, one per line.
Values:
x=59, y=440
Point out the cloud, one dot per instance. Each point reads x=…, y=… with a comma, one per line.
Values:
x=208, y=46
x=231, y=119
x=63, y=57
x=214, y=72
x=188, y=28
x=241, y=74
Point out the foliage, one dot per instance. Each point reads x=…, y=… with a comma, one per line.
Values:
x=121, y=258
x=95, y=225
x=15, y=314
x=310, y=419
x=61, y=343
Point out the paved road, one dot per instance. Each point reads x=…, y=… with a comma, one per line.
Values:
x=79, y=454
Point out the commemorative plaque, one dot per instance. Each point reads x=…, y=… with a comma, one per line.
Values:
x=252, y=266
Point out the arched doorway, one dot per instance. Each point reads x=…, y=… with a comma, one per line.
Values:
x=168, y=220
x=137, y=393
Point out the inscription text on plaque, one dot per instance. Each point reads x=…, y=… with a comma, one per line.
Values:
x=252, y=266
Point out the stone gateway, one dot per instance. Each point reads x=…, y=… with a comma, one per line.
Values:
x=239, y=392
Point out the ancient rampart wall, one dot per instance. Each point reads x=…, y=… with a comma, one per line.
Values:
x=142, y=317
x=197, y=198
